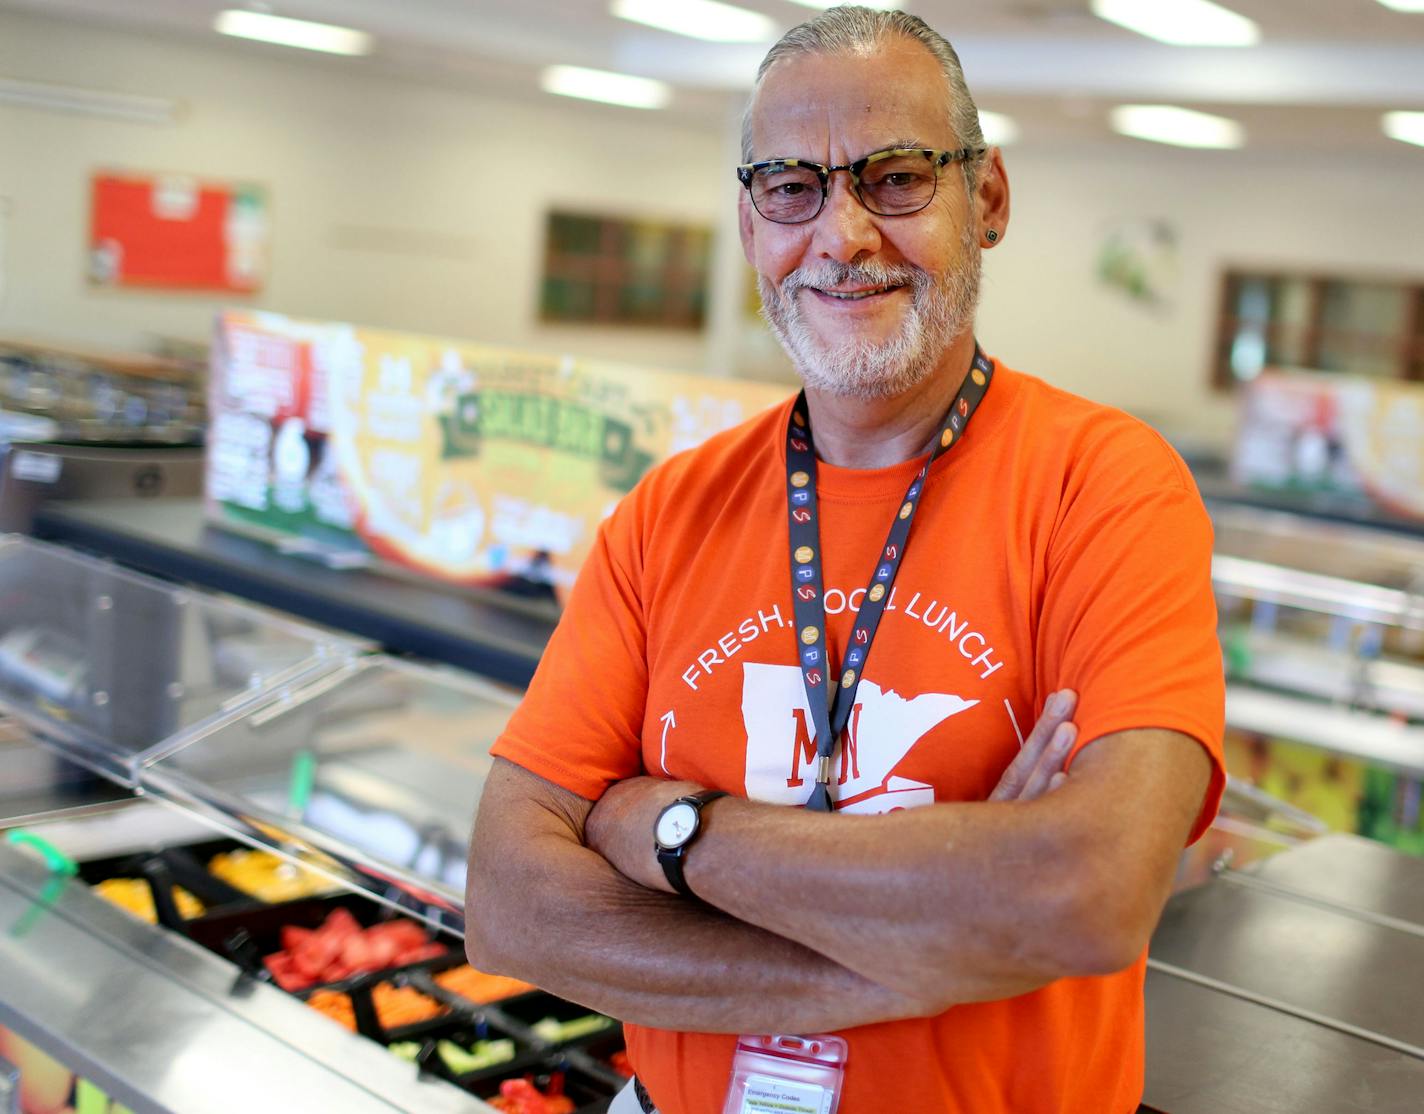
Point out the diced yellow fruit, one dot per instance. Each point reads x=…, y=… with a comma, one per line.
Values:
x=134, y=896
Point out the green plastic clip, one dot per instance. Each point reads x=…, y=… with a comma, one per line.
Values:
x=57, y=861
x=301, y=782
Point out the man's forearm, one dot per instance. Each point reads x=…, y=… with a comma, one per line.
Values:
x=955, y=902
x=558, y=915
x=968, y=896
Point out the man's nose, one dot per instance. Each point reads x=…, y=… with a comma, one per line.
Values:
x=845, y=229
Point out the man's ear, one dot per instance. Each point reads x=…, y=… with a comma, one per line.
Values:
x=746, y=226
x=991, y=199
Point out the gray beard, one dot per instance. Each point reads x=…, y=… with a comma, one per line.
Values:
x=942, y=307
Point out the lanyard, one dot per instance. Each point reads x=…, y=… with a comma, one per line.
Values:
x=832, y=699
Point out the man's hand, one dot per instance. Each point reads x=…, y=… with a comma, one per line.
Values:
x=620, y=827
x=1038, y=769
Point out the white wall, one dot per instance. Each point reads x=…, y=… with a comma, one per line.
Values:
x=374, y=161
x=407, y=163
x=1045, y=312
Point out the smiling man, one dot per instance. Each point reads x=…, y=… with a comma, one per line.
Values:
x=771, y=777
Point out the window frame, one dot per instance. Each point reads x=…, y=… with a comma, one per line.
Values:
x=1408, y=345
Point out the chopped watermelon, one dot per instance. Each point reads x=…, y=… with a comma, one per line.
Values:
x=340, y=948
x=294, y=937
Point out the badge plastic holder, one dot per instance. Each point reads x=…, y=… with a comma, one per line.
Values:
x=778, y=1074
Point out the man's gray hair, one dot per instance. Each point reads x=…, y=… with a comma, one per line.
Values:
x=852, y=28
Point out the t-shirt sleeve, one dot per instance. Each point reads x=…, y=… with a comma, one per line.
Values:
x=1128, y=621
x=580, y=724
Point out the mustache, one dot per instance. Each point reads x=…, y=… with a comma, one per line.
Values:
x=830, y=272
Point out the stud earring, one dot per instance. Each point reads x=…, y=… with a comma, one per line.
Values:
x=992, y=236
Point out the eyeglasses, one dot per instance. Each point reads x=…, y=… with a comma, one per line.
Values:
x=893, y=183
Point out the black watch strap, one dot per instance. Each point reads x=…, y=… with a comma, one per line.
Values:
x=672, y=859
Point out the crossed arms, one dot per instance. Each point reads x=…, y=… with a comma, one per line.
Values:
x=816, y=922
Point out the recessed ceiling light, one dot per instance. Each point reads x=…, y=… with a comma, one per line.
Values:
x=1407, y=127
x=610, y=88
x=699, y=19
x=1404, y=5
x=1181, y=127
x=293, y=32
x=999, y=130
x=1180, y=22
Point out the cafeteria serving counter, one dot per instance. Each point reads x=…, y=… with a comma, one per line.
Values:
x=1292, y=987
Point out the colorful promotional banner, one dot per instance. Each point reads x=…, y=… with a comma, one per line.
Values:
x=477, y=465
x=1312, y=432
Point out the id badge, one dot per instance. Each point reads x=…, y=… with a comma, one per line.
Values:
x=786, y=1075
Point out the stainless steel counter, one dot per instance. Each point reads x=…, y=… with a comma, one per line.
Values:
x=1210, y=1053
x=1351, y=872
x=1293, y=987
x=1314, y=958
x=168, y=1028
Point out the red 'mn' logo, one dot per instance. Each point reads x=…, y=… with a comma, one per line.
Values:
x=803, y=749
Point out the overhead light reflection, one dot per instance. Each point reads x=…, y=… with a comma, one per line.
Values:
x=1180, y=22
x=1407, y=127
x=699, y=19
x=999, y=130
x=609, y=88
x=1181, y=127
x=300, y=33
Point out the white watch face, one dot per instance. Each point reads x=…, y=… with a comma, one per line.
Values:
x=676, y=825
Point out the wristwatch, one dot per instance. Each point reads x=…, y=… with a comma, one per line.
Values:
x=675, y=829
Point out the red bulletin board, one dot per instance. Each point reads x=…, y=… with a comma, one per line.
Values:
x=177, y=232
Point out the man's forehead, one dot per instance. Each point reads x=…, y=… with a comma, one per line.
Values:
x=885, y=97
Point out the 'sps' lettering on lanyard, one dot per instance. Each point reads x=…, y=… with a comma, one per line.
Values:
x=830, y=713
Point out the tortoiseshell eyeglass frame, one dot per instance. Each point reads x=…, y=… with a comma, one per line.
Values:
x=746, y=174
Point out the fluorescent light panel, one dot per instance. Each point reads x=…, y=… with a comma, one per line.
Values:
x=699, y=19
x=1407, y=127
x=1404, y=5
x=1181, y=127
x=999, y=130
x=610, y=88
x=299, y=33
x=87, y=102
x=1180, y=22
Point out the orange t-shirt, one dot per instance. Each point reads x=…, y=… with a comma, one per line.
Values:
x=1061, y=544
